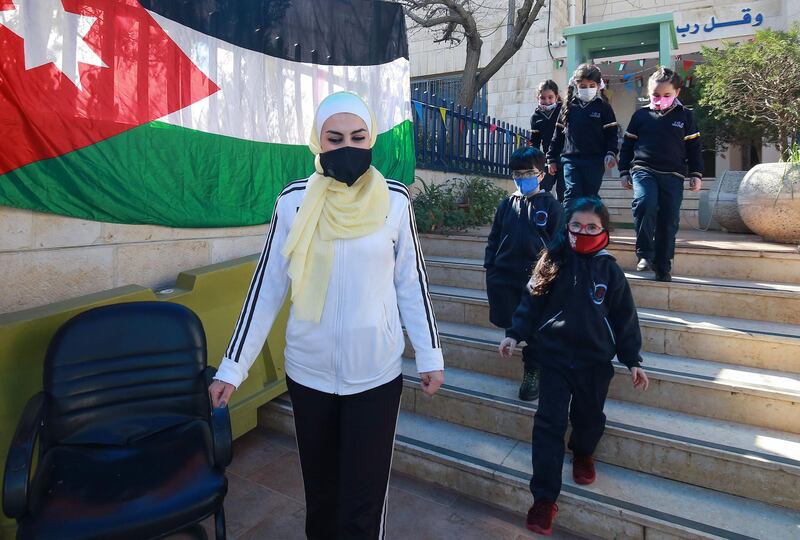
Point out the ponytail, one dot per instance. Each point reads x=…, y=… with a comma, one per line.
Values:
x=565, y=107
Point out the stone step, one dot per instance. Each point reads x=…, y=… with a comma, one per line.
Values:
x=743, y=342
x=760, y=301
x=620, y=504
x=616, y=200
x=728, y=457
x=746, y=395
x=727, y=256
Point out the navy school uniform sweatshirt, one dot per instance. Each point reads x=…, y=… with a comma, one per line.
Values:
x=663, y=141
x=522, y=228
x=587, y=316
x=543, y=125
x=591, y=132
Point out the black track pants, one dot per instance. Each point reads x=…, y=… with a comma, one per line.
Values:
x=575, y=393
x=345, y=445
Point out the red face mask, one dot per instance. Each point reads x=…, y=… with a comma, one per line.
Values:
x=586, y=244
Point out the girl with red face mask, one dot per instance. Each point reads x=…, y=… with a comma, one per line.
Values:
x=580, y=313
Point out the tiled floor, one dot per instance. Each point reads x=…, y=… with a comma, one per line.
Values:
x=265, y=501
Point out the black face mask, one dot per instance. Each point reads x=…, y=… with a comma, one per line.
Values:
x=346, y=164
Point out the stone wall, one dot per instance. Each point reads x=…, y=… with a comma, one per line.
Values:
x=45, y=258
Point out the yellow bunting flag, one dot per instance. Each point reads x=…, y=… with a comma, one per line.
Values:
x=443, y=112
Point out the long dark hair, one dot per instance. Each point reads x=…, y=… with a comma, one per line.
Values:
x=584, y=71
x=546, y=270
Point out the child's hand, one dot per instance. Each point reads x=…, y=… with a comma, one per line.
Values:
x=507, y=347
x=695, y=184
x=640, y=380
x=552, y=169
x=626, y=182
x=611, y=161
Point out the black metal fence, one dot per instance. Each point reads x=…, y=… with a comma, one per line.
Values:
x=455, y=139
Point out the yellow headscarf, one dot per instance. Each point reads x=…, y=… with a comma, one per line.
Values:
x=331, y=210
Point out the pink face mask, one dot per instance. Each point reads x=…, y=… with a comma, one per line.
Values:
x=662, y=103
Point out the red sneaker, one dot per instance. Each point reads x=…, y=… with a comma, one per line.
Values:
x=583, y=469
x=541, y=516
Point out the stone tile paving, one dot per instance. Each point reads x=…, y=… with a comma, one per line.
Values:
x=265, y=501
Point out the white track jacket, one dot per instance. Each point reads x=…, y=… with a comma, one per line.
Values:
x=358, y=343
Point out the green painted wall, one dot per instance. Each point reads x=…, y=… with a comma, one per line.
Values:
x=215, y=293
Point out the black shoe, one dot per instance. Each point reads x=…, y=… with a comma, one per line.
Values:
x=663, y=276
x=643, y=265
x=529, y=389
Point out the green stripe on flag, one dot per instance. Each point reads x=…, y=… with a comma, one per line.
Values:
x=167, y=175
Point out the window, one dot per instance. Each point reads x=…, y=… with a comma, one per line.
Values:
x=447, y=88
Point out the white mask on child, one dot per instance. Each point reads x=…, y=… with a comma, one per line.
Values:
x=587, y=94
x=548, y=107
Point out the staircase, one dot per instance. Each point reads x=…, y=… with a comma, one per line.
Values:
x=712, y=450
x=618, y=201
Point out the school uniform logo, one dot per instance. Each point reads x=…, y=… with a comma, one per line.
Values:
x=540, y=218
x=594, y=115
x=677, y=124
x=599, y=293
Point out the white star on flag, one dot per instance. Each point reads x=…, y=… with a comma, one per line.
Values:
x=52, y=35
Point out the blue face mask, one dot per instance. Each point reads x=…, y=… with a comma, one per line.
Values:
x=527, y=185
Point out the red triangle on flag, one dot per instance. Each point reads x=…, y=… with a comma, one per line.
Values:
x=136, y=74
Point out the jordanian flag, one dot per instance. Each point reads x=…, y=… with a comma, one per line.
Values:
x=187, y=113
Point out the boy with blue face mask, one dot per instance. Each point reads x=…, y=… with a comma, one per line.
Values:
x=524, y=223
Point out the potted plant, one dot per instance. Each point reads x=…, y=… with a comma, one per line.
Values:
x=748, y=91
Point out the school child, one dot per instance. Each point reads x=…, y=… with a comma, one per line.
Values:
x=585, y=140
x=543, y=124
x=661, y=149
x=524, y=223
x=580, y=312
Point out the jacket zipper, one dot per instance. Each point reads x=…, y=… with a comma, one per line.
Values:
x=551, y=320
x=503, y=241
x=610, y=331
x=337, y=327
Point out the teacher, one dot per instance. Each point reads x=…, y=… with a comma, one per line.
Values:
x=346, y=240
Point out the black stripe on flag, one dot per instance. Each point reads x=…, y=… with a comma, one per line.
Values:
x=327, y=32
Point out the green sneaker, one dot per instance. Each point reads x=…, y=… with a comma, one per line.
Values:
x=529, y=389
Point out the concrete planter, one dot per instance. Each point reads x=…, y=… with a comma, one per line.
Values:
x=769, y=201
x=723, y=201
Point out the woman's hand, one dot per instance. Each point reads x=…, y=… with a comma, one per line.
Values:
x=639, y=378
x=552, y=169
x=220, y=393
x=431, y=381
x=507, y=347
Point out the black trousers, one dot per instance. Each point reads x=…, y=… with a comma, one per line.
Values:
x=656, y=208
x=564, y=392
x=345, y=445
x=556, y=180
x=504, y=294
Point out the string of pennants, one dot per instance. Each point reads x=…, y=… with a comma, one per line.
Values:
x=635, y=80
x=443, y=112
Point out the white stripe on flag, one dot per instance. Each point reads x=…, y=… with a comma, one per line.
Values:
x=268, y=99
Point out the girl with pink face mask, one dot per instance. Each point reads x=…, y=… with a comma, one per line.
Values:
x=661, y=149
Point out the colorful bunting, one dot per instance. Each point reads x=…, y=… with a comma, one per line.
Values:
x=621, y=66
x=687, y=65
x=492, y=128
x=443, y=112
x=641, y=62
x=558, y=63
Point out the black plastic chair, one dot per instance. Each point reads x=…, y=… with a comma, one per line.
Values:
x=129, y=447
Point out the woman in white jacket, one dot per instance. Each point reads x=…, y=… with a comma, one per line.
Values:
x=345, y=239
